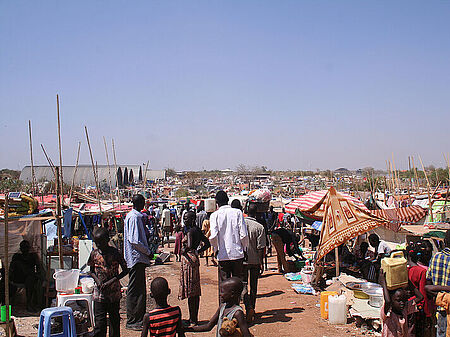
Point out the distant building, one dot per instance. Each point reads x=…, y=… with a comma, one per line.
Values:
x=342, y=170
x=84, y=175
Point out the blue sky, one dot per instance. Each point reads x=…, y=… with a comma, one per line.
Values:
x=212, y=84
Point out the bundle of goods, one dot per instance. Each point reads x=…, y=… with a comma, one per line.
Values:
x=262, y=198
x=19, y=204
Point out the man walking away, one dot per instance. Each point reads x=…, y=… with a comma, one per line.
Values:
x=201, y=215
x=229, y=237
x=137, y=257
x=254, y=262
x=166, y=225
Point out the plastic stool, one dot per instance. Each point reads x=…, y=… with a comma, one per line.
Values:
x=67, y=318
x=64, y=298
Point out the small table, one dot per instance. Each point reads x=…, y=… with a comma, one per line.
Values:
x=62, y=299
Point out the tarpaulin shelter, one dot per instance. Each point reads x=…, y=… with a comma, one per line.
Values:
x=401, y=216
x=308, y=201
x=342, y=221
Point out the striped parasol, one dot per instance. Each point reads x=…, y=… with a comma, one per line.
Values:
x=309, y=200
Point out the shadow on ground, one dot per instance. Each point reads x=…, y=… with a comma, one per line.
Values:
x=276, y=315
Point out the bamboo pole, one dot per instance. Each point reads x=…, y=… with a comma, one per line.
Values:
x=115, y=168
x=58, y=218
x=109, y=171
x=428, y=189
x=336, y=255
x=416, y=175
x=145, y=175
x=33, y=177
x=74, y=173
x=93, y=170
x=7, y=262
x=50, y=162
x=59, y=147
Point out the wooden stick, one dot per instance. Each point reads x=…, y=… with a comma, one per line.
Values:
x=336, y=254
x=48, y=159
x=93, y=170
x=74, y=174
x=59, y=148
x=109, y=172
x=428, y=189
x=115, y=168
x=58, y=218
x=145, y=175
x=7, y=262
x=416, y=175
x=33, y=177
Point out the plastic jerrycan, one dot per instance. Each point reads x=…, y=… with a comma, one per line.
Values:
x=396, y=270
x=337, y=312
x=324, y=303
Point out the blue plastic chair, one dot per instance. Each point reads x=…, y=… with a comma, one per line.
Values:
x=67, y=319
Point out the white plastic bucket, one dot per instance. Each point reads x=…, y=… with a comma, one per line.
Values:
x=87, y=285
x=66, y=280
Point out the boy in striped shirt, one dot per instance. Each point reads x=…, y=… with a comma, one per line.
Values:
x=164, y=320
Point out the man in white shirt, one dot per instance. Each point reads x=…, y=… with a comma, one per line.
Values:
x=381, y=248
x=229, y=237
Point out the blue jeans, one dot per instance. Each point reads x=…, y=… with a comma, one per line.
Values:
x=441, y=324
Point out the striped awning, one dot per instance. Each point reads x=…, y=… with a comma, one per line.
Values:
x=401, y=216
x=308, y=201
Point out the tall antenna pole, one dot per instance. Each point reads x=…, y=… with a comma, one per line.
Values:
x=33, y=177
x=59, y=147
x=93, y=170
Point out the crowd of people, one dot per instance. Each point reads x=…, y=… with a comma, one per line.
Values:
x=236, y=240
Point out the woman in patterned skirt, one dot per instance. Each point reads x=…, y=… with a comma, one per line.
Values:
x=190, y=265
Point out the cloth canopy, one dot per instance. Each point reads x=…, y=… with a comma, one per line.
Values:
x=342, y=221
x=308, y=201
x=401, y=216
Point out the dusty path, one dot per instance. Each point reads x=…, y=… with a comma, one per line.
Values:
x=280, y=311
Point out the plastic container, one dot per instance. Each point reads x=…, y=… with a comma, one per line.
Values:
x=324, y=302
x=306, y=274
x=337, y=309
x=3, y=313
x=87, y=285
x=210, y=205
x=396, y=270
x=66, y=280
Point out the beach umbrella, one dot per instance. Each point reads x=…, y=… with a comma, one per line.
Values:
x=119, y=177
x=125, y=177
x=309, y=200
x=342, y=221
x=131, y=180
x=140, y=173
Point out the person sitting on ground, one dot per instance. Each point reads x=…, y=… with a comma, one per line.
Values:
x=104, y=263
x=231, y=294
x=24, y=269
x=164, y=320
x=397, y=311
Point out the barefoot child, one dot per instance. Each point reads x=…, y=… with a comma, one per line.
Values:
x=104, y=262
x=164, y=320
x=231, y=294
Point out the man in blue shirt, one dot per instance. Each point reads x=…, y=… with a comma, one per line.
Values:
x=137, y=256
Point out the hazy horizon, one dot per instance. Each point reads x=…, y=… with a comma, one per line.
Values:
x=210, y=85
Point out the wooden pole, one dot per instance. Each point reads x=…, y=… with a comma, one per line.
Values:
x=145, y=175
x=336, y=254
x=7, y=262
x=74, y=173
x=93, y=170
x=428, y=189
x=109, y=171
x=58, y=218
x=33, y=177
x=416, y=176
x=60, y=148
x=115, y=168
x=50, y=162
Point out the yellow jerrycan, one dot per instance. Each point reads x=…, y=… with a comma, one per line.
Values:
x=396, y=270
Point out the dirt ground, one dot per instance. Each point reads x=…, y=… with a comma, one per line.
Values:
x=280, y=310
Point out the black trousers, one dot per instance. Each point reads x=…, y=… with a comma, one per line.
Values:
x=100, y=311
x=251, y=271
x=228, y=269
x=136, y=294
